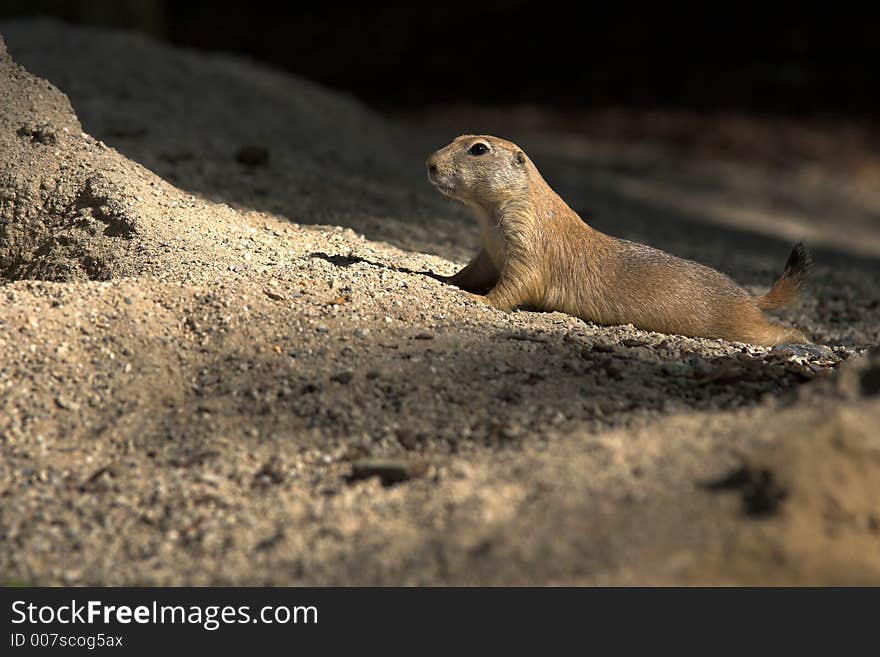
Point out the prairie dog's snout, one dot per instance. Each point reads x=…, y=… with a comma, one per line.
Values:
x=440, y=173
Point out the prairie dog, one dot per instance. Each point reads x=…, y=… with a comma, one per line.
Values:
x=537, y=252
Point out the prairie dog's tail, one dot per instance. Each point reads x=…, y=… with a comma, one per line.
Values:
x=788, y=287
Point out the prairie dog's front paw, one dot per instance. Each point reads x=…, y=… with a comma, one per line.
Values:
x=479, y=298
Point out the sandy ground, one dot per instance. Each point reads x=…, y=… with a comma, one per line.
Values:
x=223, y=359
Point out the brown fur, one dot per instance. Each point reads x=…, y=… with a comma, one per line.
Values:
x=536, y=251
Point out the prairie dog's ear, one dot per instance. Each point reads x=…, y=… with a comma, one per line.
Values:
x=520, y=157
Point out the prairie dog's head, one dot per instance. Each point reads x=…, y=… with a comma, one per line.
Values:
x=479, y=169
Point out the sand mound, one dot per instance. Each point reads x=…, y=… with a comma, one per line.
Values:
x=812, y=490
x=59, y=218
x=223, y=127
x=72, y=208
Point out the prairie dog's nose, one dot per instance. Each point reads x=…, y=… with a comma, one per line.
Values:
x=432, y=167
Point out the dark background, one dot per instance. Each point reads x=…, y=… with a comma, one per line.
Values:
x=794, y=60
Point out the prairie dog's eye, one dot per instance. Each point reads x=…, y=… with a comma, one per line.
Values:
x=478, y=149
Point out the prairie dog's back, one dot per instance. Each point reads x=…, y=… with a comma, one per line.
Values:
x=669, y=294
x=612, y=281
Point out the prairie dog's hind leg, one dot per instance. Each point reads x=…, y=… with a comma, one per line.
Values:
x=479, y=276
x=789, y=340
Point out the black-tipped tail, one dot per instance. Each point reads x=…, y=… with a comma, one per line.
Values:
x=789, y=286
